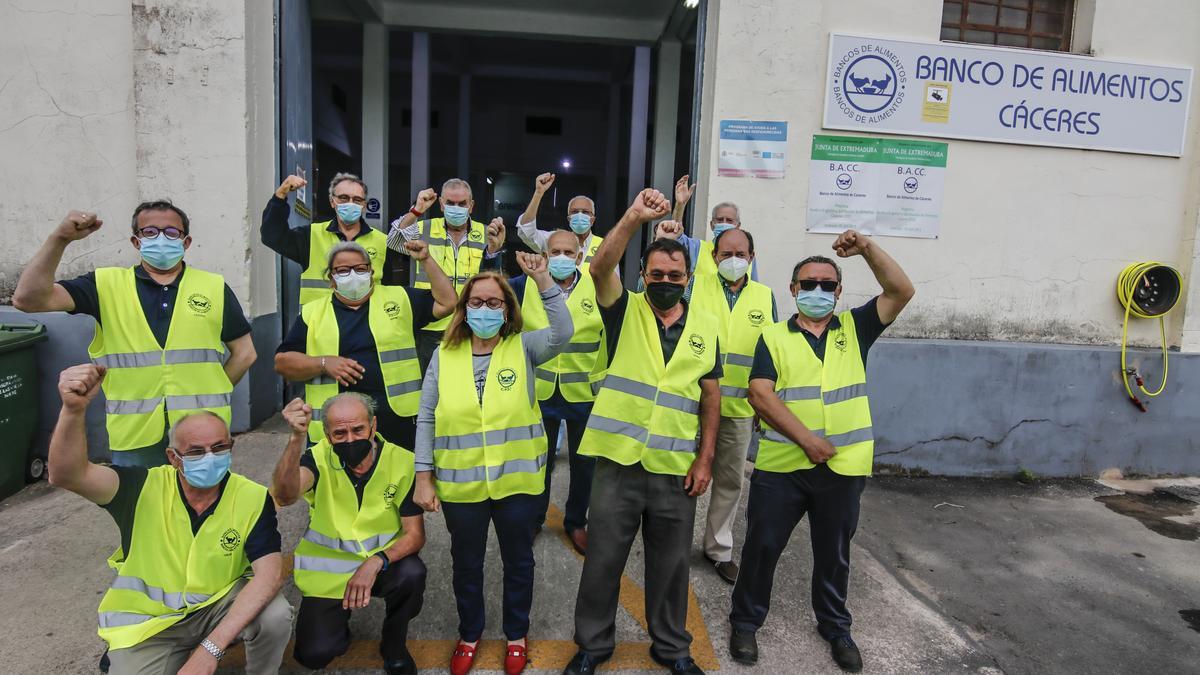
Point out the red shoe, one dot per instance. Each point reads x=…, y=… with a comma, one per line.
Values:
x=463, y=658
x=515, y=659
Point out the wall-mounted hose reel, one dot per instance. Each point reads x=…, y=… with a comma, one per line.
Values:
x=1147, y=290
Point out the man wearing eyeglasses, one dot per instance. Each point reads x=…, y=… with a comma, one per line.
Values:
x=199, y=564
x=173, y=337
x=809, y=385
x=309, y=245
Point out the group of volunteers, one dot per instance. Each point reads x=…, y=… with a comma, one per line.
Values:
x=448, y=394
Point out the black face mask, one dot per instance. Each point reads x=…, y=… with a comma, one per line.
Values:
x=352, y=453
x=664, y=295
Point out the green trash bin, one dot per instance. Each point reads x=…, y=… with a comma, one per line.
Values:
x=18, y=404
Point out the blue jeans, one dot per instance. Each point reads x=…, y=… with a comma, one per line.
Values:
x=514, y=519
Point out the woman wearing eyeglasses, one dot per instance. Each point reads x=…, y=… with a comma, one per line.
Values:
x=361, y=338
x=481, y=447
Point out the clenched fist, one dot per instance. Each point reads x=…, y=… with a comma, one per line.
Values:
x=669, y=229
x=851, y=243
x=77, y=225
x=79, y=384
x=650, y=204
x=417, y=250
x=289, y=185
x=495, y=235
x=425, y=199
x=298, y=415
x=543, y=183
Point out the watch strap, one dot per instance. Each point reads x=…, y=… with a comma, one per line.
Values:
x=211, y=647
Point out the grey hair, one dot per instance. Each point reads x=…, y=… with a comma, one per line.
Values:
x=574, y=238
x=341, y=177
x=342, y=247
x=589, y=201
x=458, y=183
x=173, y=435
x=366, y=401
x=737, y=213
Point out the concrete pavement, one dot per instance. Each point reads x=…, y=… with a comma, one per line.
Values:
x=1020, y=579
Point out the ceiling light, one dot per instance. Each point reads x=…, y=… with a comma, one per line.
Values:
x=691, y=4
x=566, y=163
x=489, y=180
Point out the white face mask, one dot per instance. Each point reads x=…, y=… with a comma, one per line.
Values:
x=353, y=286
x=733, y=269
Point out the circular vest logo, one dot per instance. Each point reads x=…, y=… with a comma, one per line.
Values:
x=389, y=493
x=392, y=309
x=373, y=252
x=230, y=539
x=697, y=344
x=507, y=378
x=199, y=303
x=587, y=306
x=840, y=340
x=756, y=317
x=476, y=235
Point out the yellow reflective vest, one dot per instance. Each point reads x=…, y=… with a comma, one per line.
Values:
x=460, y=265
x=150, y=386
x=578, y=370
x=341, y=534
x=494, y=449
x=829, y=398
x=592, y=245
x=648, y=411
x=740, y=328
x=314, y=285
x=168, y=572
x=390, y=320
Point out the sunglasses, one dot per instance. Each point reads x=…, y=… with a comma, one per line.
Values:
x=809, y=284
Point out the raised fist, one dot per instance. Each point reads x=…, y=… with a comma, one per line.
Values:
x=417, y=249
x=543, y=183
x=495, y=235
x=290, y=184
x=532, y=264
x=851, y=243
x=425, y=199
x=298, y=415
x=669, y=229
x=77, y=225
x=650, y=204
x=79, y=384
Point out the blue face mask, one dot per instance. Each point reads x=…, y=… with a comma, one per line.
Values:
x=815, y=303
x=456, y=215
x=580, y=222
x=207, y=470
x=162, y=253
x=349, y=212
x=719, y=228
x=485, y=322
x=562, y=267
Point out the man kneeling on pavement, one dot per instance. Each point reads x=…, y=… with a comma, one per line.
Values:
x=364, y=531
x=199, y=563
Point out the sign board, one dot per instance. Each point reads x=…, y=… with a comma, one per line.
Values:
x=372, y=209
x=876, y=185
x=302, y=194
x=1005, y=95
x=752, y=148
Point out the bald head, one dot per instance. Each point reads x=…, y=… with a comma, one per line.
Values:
x=562, y=242
x=199, y=429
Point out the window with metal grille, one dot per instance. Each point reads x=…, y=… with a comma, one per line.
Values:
x=1040, y=24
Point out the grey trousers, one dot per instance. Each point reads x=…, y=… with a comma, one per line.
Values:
x=625, y=498
x=729, y=470
x=266, y=637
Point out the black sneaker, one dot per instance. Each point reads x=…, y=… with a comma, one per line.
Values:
x=845, y=654
x=400, y=667
x=584, y=664
x=683, y=666
x=743, y=647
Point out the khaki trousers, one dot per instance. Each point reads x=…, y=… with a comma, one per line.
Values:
x=266, y=637
x=729, y=466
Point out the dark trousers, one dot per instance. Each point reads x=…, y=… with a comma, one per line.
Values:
x=514, y=519
x=625, y=498
x=582, y=469
x=777, y=503
x=427, y=341
x=323, y=627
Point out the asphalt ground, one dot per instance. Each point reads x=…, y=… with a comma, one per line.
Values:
x=949, y=576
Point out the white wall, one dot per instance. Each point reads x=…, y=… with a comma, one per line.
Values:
x=1032, y=239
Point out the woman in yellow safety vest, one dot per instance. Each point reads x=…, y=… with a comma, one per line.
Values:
x=481, y=447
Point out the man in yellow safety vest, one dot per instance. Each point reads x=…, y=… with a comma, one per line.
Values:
x=364, y=531
x=809, y=385
x=173, y=337
x=199, y=563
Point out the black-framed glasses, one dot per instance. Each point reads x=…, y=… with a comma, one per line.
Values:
x=198, y=451
x=828, y=286
x=345, y=270
x=151, y=232
x=346, y=199
x=491, y=303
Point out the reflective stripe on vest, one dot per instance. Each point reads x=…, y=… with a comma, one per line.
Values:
x=648, y=410
x=341, y=532
x=459, y=264
x=590, y=246
x=313, y=283
x=170, y=572
x=489, y=449
x=740, y=328
x=829, y=397
x=584, y=359
x=151, y=386
x=390, y=322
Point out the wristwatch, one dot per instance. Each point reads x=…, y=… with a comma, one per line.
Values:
x=212, y=648
x=384, y=558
